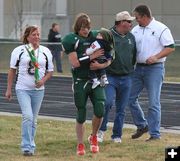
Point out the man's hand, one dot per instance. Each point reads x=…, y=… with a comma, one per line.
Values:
x=152, y=60
x=95, y=65
x=97, y=54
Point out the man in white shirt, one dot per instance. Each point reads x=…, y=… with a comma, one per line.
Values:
x=154, y=43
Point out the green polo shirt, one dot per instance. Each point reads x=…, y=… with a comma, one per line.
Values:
x=125, y=54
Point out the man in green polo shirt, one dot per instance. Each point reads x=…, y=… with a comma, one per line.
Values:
x=119, y=75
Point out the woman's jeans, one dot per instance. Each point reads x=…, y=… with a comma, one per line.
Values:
x=30, y=103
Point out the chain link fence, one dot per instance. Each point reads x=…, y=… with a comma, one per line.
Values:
x=6, y=47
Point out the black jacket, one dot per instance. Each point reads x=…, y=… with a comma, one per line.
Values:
x=56, y=38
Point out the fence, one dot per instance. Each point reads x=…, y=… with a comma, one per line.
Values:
x=172, y=63
x=6, y=47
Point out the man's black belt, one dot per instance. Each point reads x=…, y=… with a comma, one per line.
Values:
x=144, y=64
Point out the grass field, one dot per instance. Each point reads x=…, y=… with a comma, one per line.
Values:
x=56, y=141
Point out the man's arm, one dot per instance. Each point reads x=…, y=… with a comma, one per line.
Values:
x=165, y=52
x=95, y=65
x=77, y=62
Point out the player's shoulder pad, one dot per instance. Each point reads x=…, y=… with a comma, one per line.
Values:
x=72, y=38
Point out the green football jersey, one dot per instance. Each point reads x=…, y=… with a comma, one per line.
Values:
x=75, y=43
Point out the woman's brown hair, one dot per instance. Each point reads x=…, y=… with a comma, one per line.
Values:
x=27, y=32
x=82, y=20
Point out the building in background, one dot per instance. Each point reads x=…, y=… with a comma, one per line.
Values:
x=16, y=14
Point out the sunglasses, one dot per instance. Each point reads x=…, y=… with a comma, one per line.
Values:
x=128, y=21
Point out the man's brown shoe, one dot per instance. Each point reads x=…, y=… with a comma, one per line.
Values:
x=139, y=132
x=152, y=139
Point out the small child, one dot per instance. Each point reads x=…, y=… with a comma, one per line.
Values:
x=104, y=40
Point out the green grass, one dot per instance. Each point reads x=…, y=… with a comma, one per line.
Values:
x=56, y=141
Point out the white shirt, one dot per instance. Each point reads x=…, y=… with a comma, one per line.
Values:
x=26, y=81
x=151, y=40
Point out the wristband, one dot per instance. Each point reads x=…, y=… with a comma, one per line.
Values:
x=84, y=60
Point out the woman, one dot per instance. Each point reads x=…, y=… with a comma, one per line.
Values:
x=75, y=45
x=34, y=65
